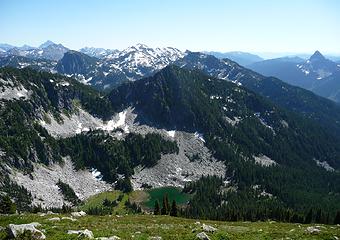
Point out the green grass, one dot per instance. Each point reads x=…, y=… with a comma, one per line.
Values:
x=97, y=201
x=173, y=193
x=146, y=199
x=145, y=226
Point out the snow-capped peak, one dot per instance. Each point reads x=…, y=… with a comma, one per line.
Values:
x=141, y=46
x=141, y=59
x=318, y=66
x=46, y=44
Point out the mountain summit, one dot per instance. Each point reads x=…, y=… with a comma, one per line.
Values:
x=317, y=56
x=317, y=74
x=46, y=44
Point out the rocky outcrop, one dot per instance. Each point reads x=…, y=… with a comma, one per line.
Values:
x=42, y=183
x=78, y=214
x=202, y=236
x=313, y=230
x=82, y=233
x=15, y=230
x=208, y=228
x=108, y=238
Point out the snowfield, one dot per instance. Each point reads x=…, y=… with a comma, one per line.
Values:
x=80, y=122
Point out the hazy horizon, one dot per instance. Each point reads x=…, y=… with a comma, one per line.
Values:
x=259, y=27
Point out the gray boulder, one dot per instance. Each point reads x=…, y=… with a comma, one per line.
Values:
x=15, y=230
x=208, y=228
x=78, y=214
x=69, y=218
x=313, y=230
x=108, y=238
x=202, y=236
x=82, y=233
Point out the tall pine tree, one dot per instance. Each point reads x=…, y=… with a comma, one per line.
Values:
x=337, y=218
x=166, y=205
x=157, y=210
x=309, y=217
x=173, y=211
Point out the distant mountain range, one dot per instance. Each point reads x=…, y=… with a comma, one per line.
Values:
x=47, y=50
x=317, y=74
x=242, y=58
x=106, y=68
x=101, y=68
x=140, y=61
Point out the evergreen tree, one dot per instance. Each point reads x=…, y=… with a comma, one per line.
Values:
x=173, y=211
x=337, y=218
x=157, y=210
x=166, y=206
x=124, y=185
x=106, y=203
x=167, y=203
x=309, y=216
x=6, y=205
x=318, y=216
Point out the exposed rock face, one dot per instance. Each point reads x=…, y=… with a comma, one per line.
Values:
x=193, y=160
x=108, y=238
x=208, y=228
x=313, y=230
x=11, y=91
x=42, y=183
x=202, y=236
x=78, y=214
x=15, y=230
x=81, y=121
x=82, y=233
x=264, y=161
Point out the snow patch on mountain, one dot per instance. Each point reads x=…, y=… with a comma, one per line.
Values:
x=199, y=136
x=96, y=174
x=215, y=97
x=140, y=60
x=98, y=52
x=81, y=121
x=114, y=123
x=171, y=133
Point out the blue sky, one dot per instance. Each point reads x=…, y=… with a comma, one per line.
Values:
x=245, y=25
